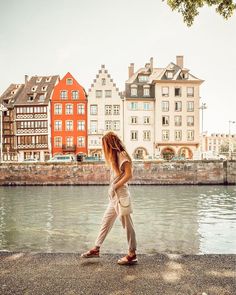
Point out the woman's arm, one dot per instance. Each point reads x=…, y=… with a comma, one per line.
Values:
x=128, y=174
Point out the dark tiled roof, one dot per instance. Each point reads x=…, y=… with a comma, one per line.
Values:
x=35, y=89
x=10, y=95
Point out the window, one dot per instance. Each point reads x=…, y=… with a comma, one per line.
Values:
x=178, y=134
x=165, y=135
x=116, y=125
x=33, y=89
x=30, y=98
x=108, y=124
x=93, y=126
x=75, y=94
x=134, y=135
x=178, y=106
x=69, y=109
x=134, y=120
x=178, y=120
x=41, y=97
x=133, y=90
x=69, y=81
x=81, y=125
x=165, y=106
x=69, y=141
x=108, y=109
x=146, y=106
x=58, y=109
x=81, y=141
x=81, y=109
x=190, y=120
x=98, y=93
x=165, y=120
x=190, y=135
x=190, y=91
x=177, y=91
x=58, y=125
x=146, y=135
x=48, y=79
x=69, y=125
x=190, y=106
x=143, y=78
x=169, y=74
x=165, y=91
x=116, y=109
x=107, y=93
x=133, y=105
x=146, y=91
x=58, y=141
x=146, y=120
x=93, y=109
x=63, y=94
x=44, y=88
x=103, y=81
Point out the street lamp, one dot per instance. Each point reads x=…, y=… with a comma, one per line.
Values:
x=2, y=109
x=230, y=151
x=202, y=107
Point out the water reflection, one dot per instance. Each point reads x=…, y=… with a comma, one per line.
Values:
x=179, y=219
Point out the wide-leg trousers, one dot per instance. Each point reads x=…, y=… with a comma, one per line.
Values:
x=109, y=217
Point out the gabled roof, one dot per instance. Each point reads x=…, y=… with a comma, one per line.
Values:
x=39, y=83
x=10, y=95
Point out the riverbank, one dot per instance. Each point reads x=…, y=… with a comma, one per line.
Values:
x=147, y=172
x=162, y=273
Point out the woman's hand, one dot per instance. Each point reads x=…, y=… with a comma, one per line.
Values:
x=112, y=191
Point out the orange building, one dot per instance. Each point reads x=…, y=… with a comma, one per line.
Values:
x=69, y=117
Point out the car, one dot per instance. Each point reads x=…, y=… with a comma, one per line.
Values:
x=30, y=160
x=91, y=159
x=178, y=158
x=62, y=158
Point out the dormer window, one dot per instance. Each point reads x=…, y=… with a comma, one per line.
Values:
x=63, y=94
x=38, y=79
x=146, y=90
x=103, y=81
x=184, y=75
x=143, y=78
x=41, y=97
x=169, y=74
x=13, y=92
x=48, y=79
x=30, y=98
x=44, y=88
x=33, y=89
x=134, y=90
x=69, y=81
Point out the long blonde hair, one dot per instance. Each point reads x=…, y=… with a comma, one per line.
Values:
x=112, y=144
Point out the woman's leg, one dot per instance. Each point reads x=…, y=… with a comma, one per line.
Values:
x=131, y=236
x=108, y=220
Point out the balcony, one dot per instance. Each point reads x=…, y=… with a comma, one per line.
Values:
x=69, y=148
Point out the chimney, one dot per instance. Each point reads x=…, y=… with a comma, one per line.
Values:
x=131, y=69
x=26, y=78
x=151, y=63
x=180, y=61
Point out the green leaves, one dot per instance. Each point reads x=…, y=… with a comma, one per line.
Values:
x=190, y=8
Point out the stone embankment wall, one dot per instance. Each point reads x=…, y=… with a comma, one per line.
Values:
x=190, y=172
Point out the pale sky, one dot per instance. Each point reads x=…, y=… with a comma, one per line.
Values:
x=48, y=37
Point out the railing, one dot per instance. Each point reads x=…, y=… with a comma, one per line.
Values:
x=69, y=148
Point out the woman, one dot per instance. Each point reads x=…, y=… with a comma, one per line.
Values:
x=119, y=160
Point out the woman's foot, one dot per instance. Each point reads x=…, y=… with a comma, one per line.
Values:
x=129, y=259
x=94, y=252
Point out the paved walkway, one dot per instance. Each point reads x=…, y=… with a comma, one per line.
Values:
x=164, y=274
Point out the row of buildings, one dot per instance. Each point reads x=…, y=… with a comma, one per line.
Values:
x=157, y=115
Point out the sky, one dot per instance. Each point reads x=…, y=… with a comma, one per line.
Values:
x=48, y=37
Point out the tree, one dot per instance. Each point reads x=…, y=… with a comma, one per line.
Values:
x=189, y=8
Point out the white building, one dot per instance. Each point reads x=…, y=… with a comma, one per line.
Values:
x=105, y=111
x=165, y=102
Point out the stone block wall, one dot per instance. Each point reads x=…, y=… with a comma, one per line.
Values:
x=190, y=172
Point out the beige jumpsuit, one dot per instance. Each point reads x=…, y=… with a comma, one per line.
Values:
x=112, y=212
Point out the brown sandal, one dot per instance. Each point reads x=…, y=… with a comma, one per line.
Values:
x=91, y=253
x=129, y=260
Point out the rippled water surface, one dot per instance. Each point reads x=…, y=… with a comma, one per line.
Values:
x=174, y=219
